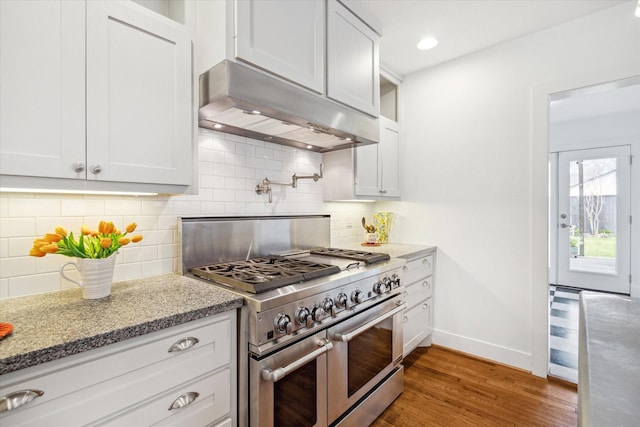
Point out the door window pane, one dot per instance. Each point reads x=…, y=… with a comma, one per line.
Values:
x=593, y=193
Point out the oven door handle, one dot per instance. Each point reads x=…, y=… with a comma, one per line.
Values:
x=346, y=337
x=279, y=373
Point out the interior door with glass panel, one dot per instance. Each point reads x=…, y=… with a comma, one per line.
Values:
x=594, y=219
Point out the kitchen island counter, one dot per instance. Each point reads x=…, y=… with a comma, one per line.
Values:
x=58, y=324
x=609, y=373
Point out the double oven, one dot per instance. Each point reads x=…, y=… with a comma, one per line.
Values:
x=320, y=332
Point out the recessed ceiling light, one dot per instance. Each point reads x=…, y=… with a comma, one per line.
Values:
x=638, y=9
x=218, y=126
x=427, y=43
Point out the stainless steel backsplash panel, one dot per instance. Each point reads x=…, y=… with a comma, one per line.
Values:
x=211, y=240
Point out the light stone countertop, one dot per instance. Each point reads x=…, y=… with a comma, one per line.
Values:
x=58, y=324
x=398, y=250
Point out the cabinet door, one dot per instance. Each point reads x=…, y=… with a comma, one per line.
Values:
x=352, y=60
x=138, y=96
x=367, y=171
x=42, y=85
x=283, y=37
x=389, y=147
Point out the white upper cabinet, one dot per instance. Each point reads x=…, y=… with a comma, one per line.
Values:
x=138, y=96
x=389, y=153
x=285, y=38
x=132, y=125
x=377, y=167
x=352, y=60
x=42, y=82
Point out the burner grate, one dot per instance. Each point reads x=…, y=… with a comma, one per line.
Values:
x=364, y=256
x=262, y=274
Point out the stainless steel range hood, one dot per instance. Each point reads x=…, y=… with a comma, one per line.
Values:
x=238, y=100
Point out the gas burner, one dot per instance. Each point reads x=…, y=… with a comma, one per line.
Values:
x=364, y=256
x=262, y=274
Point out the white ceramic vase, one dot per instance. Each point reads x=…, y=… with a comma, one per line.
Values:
x=96, y=276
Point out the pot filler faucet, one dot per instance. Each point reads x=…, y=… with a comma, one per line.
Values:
x=265, y=187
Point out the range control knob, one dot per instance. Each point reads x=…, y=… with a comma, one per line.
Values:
x=395, y=279
x=318, y=313
x=302, y=314
x=357, y=297
x=327, y=306
x=379, y=288
x=341, y=300
x=387, y=283
x=283, y=324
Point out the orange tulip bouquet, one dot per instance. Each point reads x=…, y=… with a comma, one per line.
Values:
x=93, y=244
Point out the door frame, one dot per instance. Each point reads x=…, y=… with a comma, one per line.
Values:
x=539, y=231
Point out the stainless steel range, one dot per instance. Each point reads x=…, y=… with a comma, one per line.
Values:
x=320, y=333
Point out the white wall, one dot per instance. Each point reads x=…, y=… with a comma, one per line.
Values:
x=471, y=177
x=229, y=169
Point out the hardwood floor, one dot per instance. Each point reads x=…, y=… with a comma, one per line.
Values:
x=448, y=388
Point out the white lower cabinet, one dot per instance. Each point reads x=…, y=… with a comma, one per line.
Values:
x=418, y=317
x=137, y=381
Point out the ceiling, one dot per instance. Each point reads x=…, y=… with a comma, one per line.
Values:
x=462, y=26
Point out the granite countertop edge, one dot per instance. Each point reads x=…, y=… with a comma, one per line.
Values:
x=224, y=301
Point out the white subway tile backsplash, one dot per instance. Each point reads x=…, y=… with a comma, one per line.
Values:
x=17, y=266
x=160, y=266
x=127, y=271
x=156, y=237
x=33, y=207
x=212, y=208
x=229, y=169
x=4, y=288
x=235, y=159
x=264, y=152
x=220, y=169
x=246, y=149
x=33, y=284
x=157, y=207
x=133, y=254
x=235, y=183
x=17, y=227
x=235, y=208
x=168, y=251
x=80, y=207
x=248, y=172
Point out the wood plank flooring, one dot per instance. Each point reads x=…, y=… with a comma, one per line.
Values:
x=447, y=388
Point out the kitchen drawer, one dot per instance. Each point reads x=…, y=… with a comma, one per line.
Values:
x=418, y=292
x=66, y=376
x=213, y=402
x=108, y=397
x=416, y=269
x=417, y=325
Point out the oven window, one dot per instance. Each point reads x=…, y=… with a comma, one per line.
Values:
x=295, y=398
x=369, y=353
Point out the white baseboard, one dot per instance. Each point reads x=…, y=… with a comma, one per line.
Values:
x=483, y=349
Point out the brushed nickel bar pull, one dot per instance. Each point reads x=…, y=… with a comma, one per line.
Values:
x=279, y=373
x=360, y=329
x=17, y=399
x=183, y=344
x=184, y=400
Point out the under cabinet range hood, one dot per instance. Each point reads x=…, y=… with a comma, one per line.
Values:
x=236, y=99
